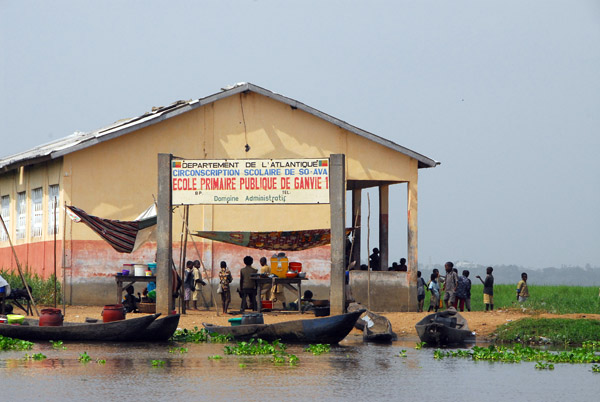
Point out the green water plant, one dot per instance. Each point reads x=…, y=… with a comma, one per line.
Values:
x=402, y=353
x=595, y=368
x=158, y=363
x=519, y=353
x=101, y=361
x=180, y=350
x=420, y=345
x=215, y=357
x=84, y=357
x=35, y=356
x=199, y=335
x=318, y=349
x=544, y=366
x=7, y=343
x=276, y=350
x=58, y=345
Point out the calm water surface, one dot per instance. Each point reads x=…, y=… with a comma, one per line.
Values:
x=351, y=370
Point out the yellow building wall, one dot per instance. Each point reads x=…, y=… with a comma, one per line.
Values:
x=117, y=178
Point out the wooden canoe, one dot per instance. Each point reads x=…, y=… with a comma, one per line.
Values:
x=123, y=330
x=375, y=327
x=160, y=330
x=330, y=329
x=444, y=328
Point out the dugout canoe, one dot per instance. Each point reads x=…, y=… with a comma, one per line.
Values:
x=444, y=329
x=115, y=331
x=330, y=329
x=375, y=327
x=160, y=330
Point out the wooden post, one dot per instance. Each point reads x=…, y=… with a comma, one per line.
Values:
x=356, y=218
x=54, y=229
x=164, y=217
x=412, y=249
x=384, y=248
x=337, y=205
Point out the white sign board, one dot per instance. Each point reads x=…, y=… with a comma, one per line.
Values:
x=250, y=181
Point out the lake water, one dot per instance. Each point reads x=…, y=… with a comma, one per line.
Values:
x=352, y=370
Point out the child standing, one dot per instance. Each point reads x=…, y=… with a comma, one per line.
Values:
x=488, y=289
x=522, y=289
x=434, y=288
x=463, y=291
x=420, y=292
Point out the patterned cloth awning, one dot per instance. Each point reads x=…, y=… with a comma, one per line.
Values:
x=123, y=236
x=294, y=240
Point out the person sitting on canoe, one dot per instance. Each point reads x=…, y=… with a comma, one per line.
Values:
x=130, y=301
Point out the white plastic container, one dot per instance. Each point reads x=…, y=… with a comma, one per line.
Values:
x=140, y=269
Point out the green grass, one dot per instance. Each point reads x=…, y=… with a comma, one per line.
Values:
x=550, y=299
x=559, y=331
x=42, y=290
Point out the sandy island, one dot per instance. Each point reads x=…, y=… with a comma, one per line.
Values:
x=483, y=323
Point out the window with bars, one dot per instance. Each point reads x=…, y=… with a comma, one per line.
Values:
x=37, y=212
x=21, y=215
x=5, y=212
x=53, y=194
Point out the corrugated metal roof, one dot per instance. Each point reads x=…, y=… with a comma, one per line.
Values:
x=78, y=141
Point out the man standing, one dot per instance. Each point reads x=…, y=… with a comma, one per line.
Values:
x=248, y=284
x=488, y=289
x=450, y=285
x=522, y=289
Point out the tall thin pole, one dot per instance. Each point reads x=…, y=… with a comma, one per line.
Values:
x=368, y=251
x=64, y=260
x=54, y=229
x=186, y=215
x=19, y=267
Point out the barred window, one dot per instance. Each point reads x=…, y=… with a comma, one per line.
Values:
x=53, y=194
x=21, y=215
x=37, y=212
x=5, y=212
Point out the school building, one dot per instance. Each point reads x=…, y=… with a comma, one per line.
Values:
x=112, y=173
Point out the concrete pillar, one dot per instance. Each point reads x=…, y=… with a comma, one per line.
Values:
x=384, y=207
x=412, y=258
x=337, y=206
x=164, y=289
x=356, y=222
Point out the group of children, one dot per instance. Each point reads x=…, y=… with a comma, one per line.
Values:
x=458, y=289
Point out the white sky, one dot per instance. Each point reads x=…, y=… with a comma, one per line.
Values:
x=506, y=94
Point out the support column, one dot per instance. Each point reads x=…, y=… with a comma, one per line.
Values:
x=164, y=233
x=337, y=206
x=384, y=207
x=356, y=222
x=412, y=257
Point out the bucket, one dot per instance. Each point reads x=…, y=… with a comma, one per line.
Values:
x=148, y=273
x=266, y=304
x=296, y=266
x=279, y=265
x=235, y=321
x=140, y=269
x=113, y=312
x=51, y=317
x=152, y=267
x=252, y=318
x=125, y=272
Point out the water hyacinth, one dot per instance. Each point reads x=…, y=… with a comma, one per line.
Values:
x=545, y=359
x=7, y=343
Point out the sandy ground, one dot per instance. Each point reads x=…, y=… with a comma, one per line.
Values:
x=483, y=323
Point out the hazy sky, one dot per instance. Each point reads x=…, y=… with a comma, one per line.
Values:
x=506, y=94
